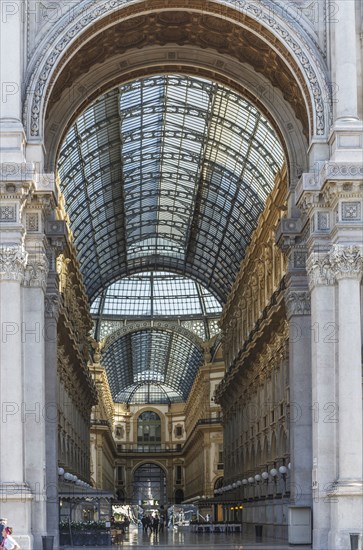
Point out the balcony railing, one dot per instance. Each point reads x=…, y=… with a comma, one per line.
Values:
x=148, y=449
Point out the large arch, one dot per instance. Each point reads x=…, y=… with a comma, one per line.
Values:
x=128, y=44
x=305, y=78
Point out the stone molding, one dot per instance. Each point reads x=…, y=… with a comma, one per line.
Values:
x=105, y=401
x=297, y=302
x=323, y=188
x=13, y=261
x=346, y=262
x=15, y=173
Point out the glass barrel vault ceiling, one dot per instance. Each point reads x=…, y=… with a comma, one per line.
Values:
x=158, y=366
x=156, y=295
x=167, y=173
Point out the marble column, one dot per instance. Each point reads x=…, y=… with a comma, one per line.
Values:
x=324, y=336
x=346, y=136
x=347, y=511
x=12, y=137
x=345, y=84
x=51, y=404
x=15, y=495
x=34, y=410
x=299, y=319
x=55, y=231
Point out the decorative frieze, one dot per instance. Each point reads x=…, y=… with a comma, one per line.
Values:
x=299, y=258
x=32, y=222
x=351, y=211
x=8, y=213
x=323, y=221
x=346, y=261
x=12, y=263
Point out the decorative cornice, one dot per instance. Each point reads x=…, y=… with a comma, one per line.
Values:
x=319, y=269
x=13, y=260
x=323, y=187
x=297, y=302
x=346, y=261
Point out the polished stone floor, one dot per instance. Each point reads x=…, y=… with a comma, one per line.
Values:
x=135, y=539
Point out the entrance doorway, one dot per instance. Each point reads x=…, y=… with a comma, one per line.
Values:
x=149, y=486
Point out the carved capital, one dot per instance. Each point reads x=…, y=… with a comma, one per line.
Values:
x=319, y=270
x=346, y=261
x=36, y=272
x=12, y=263
x=297, y=302
x=51, y=305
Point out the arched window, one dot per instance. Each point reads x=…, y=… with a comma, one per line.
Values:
x=149, y=431
x=149, y=485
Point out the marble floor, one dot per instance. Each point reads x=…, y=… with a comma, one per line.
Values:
x=182, y=538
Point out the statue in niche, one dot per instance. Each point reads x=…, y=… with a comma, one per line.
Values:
x=96, y=350
x=119, y=432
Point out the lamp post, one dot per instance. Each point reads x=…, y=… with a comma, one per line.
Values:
x=283, y=472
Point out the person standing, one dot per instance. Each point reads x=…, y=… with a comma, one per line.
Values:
x=155, y=526
x=10, y=543
x=3, y=522
x=161, y=524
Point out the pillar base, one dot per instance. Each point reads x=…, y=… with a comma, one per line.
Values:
x=347, y=512
x=15, y=505
x=346, y=141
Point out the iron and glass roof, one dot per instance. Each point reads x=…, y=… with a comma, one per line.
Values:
x=167, y=173
x=155, y=294
x=156, y=365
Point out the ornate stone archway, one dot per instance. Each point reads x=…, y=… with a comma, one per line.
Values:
x=280, y=62
x=125, y=41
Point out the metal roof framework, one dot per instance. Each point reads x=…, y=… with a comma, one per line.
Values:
x=159, y=366
x=165, y=173
x=168, y=172
x=155, y=295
